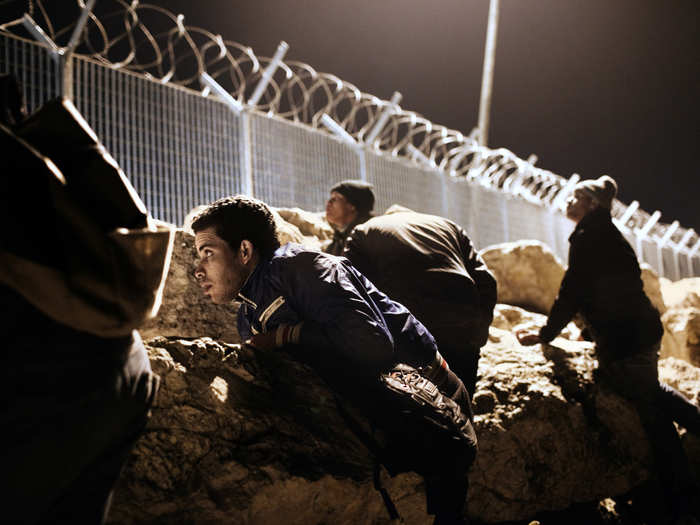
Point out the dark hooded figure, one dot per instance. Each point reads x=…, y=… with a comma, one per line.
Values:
x=75, y=380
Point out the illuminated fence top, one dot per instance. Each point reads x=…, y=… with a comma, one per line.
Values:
x=153, y=42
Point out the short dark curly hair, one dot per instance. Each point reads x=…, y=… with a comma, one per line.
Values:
x=237, y=218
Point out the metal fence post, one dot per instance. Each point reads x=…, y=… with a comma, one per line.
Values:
x=38, y=33
x=676, y=253
x=246, y=148
x=660, y=246
x=389, y=109
x=339, y=131
x=79, y=27
x=66, y=72
x=691, y=255
x=621, y=223
x=641, y=233
x=362, y=155
x=268, y=73
x=245, y=145
x=444, y=194
x=565, y=191
x=417, y=155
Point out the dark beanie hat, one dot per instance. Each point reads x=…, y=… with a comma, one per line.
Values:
x=602, y=190
x=357, y=193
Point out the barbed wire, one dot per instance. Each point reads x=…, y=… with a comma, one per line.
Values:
x=152, y=41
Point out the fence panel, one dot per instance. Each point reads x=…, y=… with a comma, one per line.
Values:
x=460, y=206
x=399, y=182
x=181, y=149
x=178, y=149
x=33, y=65
x=527, y=221
x=295, y=165
x=490, y=216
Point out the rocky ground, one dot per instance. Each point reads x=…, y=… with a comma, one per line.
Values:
x=248, y=437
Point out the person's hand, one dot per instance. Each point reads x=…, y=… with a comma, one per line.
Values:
x=276, y=338
x=528, y=337
x=264, y=341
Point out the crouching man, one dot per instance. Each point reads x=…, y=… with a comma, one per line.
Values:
x=329, y=316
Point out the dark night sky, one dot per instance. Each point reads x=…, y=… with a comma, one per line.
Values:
x=589, y=86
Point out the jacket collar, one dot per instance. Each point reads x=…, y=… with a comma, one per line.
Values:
x=342, y=233
x=252, y=284
x=593, y=220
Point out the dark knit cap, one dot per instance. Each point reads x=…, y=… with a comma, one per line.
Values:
x=602, y=190
x=357, y=193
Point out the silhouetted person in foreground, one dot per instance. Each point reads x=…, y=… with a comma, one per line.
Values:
x=350, y=203
x=603, y=283
x=326, y=314
x=428, y=264
x=76, y=382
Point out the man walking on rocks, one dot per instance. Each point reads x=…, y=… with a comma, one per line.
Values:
x=325, y=313
x=429, y=264
x=603, y=283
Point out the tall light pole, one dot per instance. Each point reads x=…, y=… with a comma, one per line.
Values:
x=487, y=74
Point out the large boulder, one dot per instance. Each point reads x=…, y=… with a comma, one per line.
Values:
x=250, y=437
x=684, y=293
x=682, y=334
x=527, y=272
x=529, y=275
x=287, y=232
x=652, y=287
x=247, y=437
x=685, y=378
x=309, y=223
x=682, y=320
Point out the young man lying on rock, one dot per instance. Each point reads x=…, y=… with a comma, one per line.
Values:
x=368, y=348
x=603, y=283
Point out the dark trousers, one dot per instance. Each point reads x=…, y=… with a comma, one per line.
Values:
x=75, y=405
x=658, y=405
x=459, y=331
x=443, y=462
x=464, y=362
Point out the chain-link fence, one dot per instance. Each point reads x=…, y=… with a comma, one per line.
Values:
x=182, y=148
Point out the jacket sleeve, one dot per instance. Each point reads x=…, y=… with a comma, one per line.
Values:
x=567, y=302
x=243, y=324
x=483, y=278
x=338, y=315
x=356, y=250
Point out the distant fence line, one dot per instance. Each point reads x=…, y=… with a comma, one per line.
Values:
x=285, y=133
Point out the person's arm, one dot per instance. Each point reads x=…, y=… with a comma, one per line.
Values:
x=242, y=323
x=338, y=314
x=356, y=250
x=483, y=278
x=575, y=280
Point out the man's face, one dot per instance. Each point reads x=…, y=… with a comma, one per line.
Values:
x=578, y=205
x=220, y=272
x=339, y=212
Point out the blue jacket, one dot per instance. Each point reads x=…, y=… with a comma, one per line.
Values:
x=348, y=325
